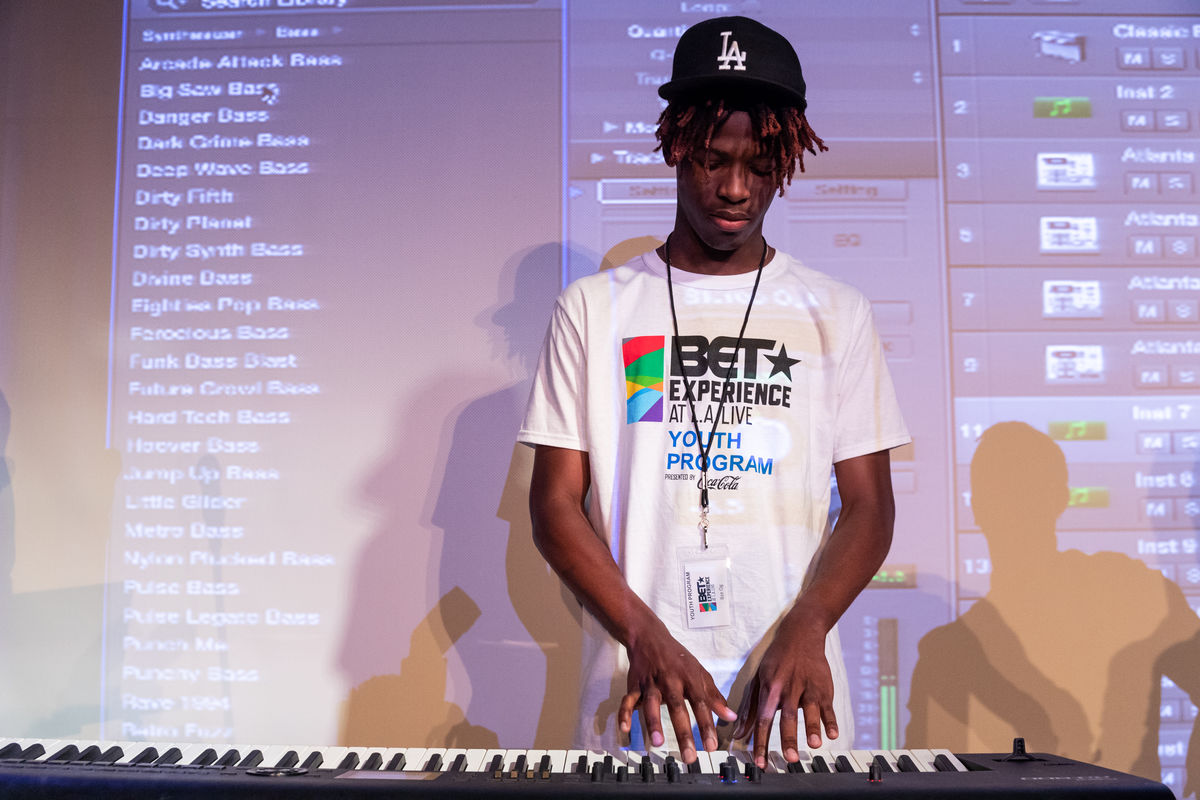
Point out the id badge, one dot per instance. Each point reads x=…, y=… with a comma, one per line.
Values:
x=707, y=583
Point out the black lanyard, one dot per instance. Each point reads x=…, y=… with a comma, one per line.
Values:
x=687, y=388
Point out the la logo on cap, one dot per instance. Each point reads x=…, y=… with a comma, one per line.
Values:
x=730, y=52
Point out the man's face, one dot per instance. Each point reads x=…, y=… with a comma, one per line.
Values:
x=724, y=196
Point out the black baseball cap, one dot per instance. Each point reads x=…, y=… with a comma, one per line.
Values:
x=737, y=55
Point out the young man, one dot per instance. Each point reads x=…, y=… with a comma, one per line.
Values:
x=687, y=410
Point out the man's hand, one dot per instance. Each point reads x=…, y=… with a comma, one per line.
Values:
x=792, y=675
x=661, y=672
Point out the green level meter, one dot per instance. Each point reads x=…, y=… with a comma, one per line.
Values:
x=1079, y=430
x=1062, y=107
x=1088, y=497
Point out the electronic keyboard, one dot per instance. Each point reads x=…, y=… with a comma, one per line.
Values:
x=165, y=771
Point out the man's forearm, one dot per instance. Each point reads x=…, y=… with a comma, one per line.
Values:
x=566, y=539
x=856, y=549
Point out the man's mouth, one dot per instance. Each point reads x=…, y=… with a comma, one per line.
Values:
x=731, y=222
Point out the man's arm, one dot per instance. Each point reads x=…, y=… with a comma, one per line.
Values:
x=660, y=669
x=793, y=673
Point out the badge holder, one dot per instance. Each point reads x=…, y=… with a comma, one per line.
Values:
x=706, y=576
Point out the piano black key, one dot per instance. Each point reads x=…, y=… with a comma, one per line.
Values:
x=434, y=764
x=795, y=767
x=396, y=763
x=581, y=766
x=313, y=761
x=906, y=763
x=349, y=762
x=884, y=766
x=68, y=753
x=147, y=756
x=819, y=764
x=252, y=759
x=943, y=764
x=544, y=765
x=373, y=762
x=206, y=757
x=229, y=759
x=110, y=756
x=496, y=767
x=11, y=750
x=87, y=754
x=842, y=764
x=169, y=756
x=288, y=760
x=519, y=767
x=694, y=767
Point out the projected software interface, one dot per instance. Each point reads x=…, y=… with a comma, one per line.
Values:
x=1012, y=183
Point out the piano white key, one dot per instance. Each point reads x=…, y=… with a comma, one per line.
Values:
x=475, y=760
x=571, y=761
x=429, y=753
x=559, y=763
x=330, y=756
x=958, y=765
x=449, y=757
x=490, y=755
x=922, y=758
x=414, y=759
x=706, y=760
x=776, y=762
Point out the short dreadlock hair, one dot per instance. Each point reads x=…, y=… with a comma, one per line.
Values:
x=687, y=126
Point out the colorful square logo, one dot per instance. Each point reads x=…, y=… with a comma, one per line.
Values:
x=643, y=357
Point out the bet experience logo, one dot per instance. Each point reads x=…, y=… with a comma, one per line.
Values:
x=726, y=385
x=710, y=369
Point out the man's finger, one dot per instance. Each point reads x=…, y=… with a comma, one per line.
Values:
x=625, y=711
x=747, y=710
x=789, y=722
x=651, y=707
x=682, y=723
x=830, y=720
x=812, y=724
x=704, y=722
x=762, y=725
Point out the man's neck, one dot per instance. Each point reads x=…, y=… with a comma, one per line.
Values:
x=689, y=254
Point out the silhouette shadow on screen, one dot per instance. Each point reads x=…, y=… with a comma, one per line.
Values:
x=1066, y=649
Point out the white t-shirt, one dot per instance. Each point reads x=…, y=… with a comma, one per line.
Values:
x=809, y=387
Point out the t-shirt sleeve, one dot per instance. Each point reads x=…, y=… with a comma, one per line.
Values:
x=557, y=401
x=868, y=415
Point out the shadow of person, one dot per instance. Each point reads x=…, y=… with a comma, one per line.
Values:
x=1066, y=649
x=522, y=660
x=410, y=706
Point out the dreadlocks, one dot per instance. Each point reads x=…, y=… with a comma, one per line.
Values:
x=687, y=129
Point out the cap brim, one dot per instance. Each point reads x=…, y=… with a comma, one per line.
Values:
x=735, y=87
